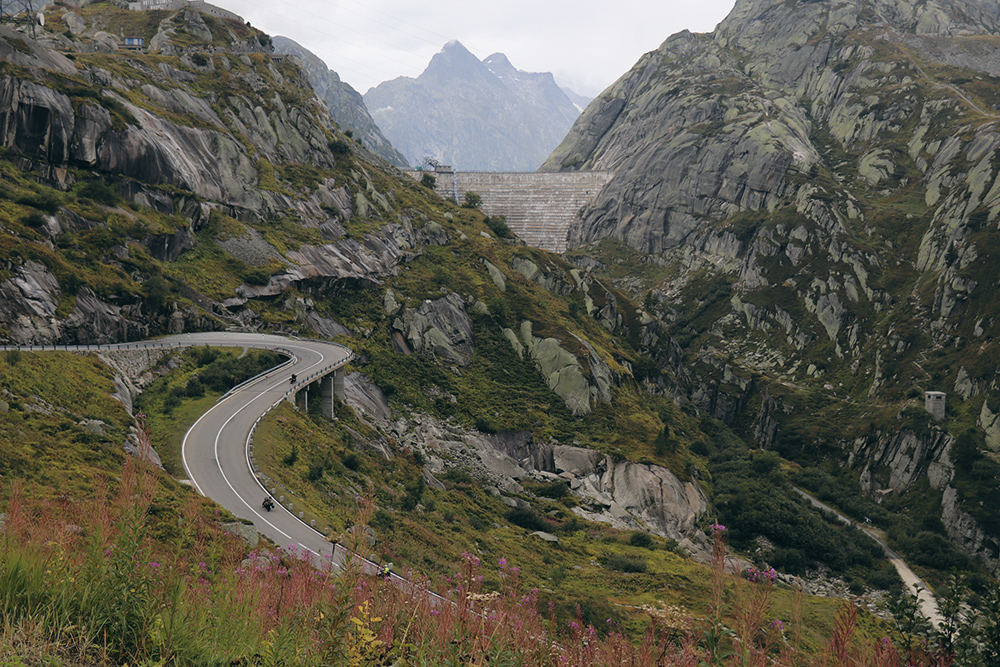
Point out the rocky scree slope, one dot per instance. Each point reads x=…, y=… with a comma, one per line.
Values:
x=204, y=186
x=476, y=115
x=811, y=195
x=346, y=104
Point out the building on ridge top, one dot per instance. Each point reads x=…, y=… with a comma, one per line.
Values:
x=155, y=5
x=176, y=5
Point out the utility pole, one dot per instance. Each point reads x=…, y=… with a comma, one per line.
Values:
x=17, y=13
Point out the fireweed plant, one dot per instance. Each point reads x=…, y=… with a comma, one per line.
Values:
x=84, y=584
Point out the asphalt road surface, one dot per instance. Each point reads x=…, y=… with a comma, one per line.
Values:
x=215, y=448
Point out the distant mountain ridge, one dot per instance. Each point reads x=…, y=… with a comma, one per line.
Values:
x=580, y=101
x=478, y=115
x=346, y=104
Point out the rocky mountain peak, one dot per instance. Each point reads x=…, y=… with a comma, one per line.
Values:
x=478, y=115
x=454, y=63
x=455, y=46
x=499, y=65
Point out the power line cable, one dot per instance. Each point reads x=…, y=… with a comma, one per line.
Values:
x=416, y=32
x=366, y=68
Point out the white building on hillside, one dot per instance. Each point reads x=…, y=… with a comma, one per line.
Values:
x=153, y=5
x=934, y=403
x=176, y=5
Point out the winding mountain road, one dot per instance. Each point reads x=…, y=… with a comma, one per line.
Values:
x=215, y=448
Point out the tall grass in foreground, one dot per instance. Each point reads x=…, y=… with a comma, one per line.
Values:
x=82, y=585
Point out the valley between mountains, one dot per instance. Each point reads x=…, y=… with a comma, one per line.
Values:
x=785, y=283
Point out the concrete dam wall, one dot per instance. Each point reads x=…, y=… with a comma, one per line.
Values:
x=539, y=206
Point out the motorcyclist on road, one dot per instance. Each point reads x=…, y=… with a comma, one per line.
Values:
x=268, y=503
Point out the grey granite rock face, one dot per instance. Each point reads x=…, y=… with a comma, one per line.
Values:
x=626, y=495
x=708, y=126
x=169, y=247
x=907, y=457
x=32, y=53
x=188, y=155
x=364, y=396
x=441, y=328
x=345, y=104
x=40, y=123
x=766, y=165
x=966, y=533
x=31, y=298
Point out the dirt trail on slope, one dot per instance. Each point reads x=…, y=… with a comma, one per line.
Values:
x=925, y=599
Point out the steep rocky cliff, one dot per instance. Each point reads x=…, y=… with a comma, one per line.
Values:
x=623, y=494
x=166, y=152
x=200, y=184
x=477, y=115
x=810, y=196
x=346, y=104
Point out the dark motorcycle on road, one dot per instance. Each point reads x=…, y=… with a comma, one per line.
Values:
x=268, y=504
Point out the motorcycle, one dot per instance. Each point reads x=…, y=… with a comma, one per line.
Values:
x=268, y=504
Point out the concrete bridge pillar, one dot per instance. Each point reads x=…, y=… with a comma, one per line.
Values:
x=332, y=385
x=293, y=396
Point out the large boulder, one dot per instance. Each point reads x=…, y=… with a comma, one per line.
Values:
x=626, y=495
x=365, y=397
x=563, y=372
x=439, y=327
x=631, y=495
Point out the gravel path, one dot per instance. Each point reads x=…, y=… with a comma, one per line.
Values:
x=925, y=598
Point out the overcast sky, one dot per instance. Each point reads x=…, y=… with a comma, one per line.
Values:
x=587, y=45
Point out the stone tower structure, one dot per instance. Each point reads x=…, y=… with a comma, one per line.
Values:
x=934, y=403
